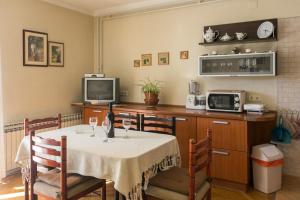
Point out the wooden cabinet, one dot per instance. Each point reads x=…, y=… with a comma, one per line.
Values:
x=94, y=112
x=186, y=129
x=230, y=148
x=230, y=165
x=226, y=134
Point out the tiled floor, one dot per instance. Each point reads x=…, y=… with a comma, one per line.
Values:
x=12, y=188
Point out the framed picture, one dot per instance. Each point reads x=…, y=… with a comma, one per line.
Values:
x=136, y=63
x=184, y=54
x=35, y=48
x=163, y=58
x=146, y=59
x=56, y=54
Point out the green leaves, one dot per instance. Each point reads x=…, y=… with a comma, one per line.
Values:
x=150, y=86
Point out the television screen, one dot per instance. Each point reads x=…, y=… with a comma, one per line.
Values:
x=100, y=89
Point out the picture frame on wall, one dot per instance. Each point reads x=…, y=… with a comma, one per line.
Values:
x=163, y=58
x=146, y=60
x=184, y=55
x=136, y=63
x=56, y=54
x=35, y=48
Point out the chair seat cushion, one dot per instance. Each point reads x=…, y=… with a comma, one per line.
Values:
x=52, y=177
x=177, y=180
x=54, y=192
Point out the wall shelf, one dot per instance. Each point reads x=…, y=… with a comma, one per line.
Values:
x=249, y=27
x=245, y=41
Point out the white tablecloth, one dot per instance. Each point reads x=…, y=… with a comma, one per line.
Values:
x=122, y=160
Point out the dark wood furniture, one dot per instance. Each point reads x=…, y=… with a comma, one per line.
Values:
x=249, y=27
x=56, y=183
x=134, y=118
x=39, y=124
x=233, y=135
x=179, y=183
x=35, y=125
x=160, y=125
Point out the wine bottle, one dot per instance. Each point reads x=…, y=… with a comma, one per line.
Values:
x=111, y=118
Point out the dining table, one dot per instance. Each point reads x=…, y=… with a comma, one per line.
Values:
x=127, y=161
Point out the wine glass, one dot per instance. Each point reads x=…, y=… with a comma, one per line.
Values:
x=126, y=124
x=106, y=127
x=93, y=121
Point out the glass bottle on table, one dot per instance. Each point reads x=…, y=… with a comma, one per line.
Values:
x=111, y=118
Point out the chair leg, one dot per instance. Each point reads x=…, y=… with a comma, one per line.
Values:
x=103, y=194
x=117, y=195
x=123, y=197
x=209, y=194
x=26, y=192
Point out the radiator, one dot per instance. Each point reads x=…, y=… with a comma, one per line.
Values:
x=14, y=134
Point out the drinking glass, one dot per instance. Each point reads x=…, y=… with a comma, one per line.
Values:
x=93, y=121
x=106, y=128
x=126, y=124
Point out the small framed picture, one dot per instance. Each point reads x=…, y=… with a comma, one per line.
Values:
x=163, y=58
x=136, y=63
x=35, y=48
x=146, y=59
x=56, y=54
x=184, y=54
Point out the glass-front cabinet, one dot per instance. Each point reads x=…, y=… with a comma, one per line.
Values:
x=248, y=64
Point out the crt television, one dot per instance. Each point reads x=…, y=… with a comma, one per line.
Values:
x=101, y=90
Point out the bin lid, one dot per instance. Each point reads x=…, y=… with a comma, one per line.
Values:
x=266, y=152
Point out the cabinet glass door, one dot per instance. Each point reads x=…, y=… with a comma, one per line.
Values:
x=255, y=64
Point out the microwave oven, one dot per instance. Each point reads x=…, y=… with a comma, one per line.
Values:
x=225, y=100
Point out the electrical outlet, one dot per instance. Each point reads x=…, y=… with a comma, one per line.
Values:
x=124, y=93
x=254, y=98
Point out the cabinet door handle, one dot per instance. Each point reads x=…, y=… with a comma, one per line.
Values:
x=97, y=111
x=224, y=153
x=180, y=119
x=150, y=116
x=124, y=114
x=221, y=122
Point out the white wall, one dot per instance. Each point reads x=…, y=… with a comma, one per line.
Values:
x=37, y=91
x=174, y=30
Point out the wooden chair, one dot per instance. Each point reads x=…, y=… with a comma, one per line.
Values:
x=56, y=183
x=160, y=125
x=39, y=124
x=182, y=184
x=35, y=125
x=135, y=120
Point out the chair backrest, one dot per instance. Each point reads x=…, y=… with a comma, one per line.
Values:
x=40, y=152
x=199, y=159
x=39, y=124
x=161, y=125
x=135, y=120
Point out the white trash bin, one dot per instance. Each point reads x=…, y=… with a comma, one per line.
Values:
x=267, y=162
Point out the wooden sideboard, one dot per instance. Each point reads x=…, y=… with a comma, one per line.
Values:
x=233, y=135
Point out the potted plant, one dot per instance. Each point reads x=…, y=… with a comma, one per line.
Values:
x=151, y=90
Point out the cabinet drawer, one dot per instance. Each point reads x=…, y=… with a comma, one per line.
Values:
x=94, y=112
x=226, y=134
x=230, y=165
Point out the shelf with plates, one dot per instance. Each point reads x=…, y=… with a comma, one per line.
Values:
x=250, y=29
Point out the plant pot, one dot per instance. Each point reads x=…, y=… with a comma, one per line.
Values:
x=151, y=99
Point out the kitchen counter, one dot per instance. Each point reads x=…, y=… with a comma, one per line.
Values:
x=181, y=110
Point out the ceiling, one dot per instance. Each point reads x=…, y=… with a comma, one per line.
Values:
x=113, y=7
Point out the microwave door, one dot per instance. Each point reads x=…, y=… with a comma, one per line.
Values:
x=221, y=101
